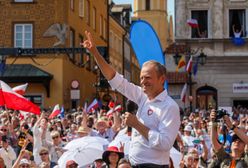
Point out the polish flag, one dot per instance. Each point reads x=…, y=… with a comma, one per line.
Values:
x=193, y=23
x=92, y=106
x=1, y=97
x=20, y=89
x=16, y=101
x=189, y=65
x=111, y=111
x=55, y=112
x=183, y=93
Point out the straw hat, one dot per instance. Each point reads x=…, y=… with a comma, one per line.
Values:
x=83, y=130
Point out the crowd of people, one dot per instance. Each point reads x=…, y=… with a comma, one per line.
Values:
x=203, y=140
x=213, y=138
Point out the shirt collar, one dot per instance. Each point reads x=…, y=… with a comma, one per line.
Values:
x=161, y=96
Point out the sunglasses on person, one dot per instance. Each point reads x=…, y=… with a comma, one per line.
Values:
x=45, y=153
x=4, y=130
x=55, y=137
x=74, y=165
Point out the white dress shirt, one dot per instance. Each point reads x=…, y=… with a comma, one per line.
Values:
x=160, y=115
x=8, y=156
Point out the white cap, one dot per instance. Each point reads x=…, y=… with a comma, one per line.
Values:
x=24, y=161
x=187, y=128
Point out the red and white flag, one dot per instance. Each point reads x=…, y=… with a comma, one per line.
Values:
x=20, y=89
x=189, y=65
x=183, y=93
x=92, y=106
x=55, y=112
x=193, y=23
x=118, y=108
x=2, y=103
x=16, y=101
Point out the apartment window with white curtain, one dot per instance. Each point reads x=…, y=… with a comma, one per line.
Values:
x=94, y=18
x=81, y=8
x=23, y=34
x=237, y=22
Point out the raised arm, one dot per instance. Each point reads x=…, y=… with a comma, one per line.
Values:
x=107, y=70
x=214, y=135
x=241, y=134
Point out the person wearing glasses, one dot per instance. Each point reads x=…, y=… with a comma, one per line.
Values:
x=39, y=129
x=71, y=164
x=7, y=153
x=44, y=155
x=55, y=147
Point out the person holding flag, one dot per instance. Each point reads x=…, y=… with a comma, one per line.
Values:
x=156, y=124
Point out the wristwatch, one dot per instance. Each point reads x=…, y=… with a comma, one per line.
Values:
x=233, y=127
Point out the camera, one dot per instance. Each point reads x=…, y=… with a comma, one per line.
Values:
x=220, y=113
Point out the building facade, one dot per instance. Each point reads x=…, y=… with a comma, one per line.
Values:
x=69, y=77
x=222, y=81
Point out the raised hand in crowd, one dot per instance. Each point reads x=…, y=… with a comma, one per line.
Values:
x=238, y=131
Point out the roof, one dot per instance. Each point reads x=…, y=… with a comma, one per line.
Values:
x=177, y=77
x=24, y=70
x=22, y=73
x=121, y=7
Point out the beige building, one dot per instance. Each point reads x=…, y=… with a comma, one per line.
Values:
x=65, y=79
x=223, y=80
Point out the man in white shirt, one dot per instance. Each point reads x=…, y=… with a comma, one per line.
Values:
x=157, y=121
x=7, y=153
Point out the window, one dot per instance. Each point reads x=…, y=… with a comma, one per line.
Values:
x=104, y=29
x=101, y=25
x=24, y=0
x=202, y=19
x=82, y=56
x=23, y=35
x=72, y=5
x=87, y=12
x=111, y=39
x=81, y=8
x=237, y=23
x=94, y=18
x=147, y=5
x=36, y=99
x=72, y=42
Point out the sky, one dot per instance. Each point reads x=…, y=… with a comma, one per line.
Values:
x=170, y=4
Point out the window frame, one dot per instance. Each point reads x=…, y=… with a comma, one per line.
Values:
x=81, y=8
x=23, y=1
x=23, y=35
x=201, y=20
x=245, y=23
x=94, y=18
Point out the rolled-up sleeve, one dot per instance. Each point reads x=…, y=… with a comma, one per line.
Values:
x=164, y=137
x=129, y=90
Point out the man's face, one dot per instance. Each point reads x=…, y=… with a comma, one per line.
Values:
x=150, y=82
x=238, y=145
x=4, y=130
